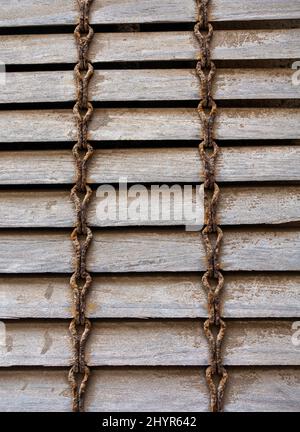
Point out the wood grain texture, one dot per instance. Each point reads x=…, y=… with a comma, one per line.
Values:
x=161, y=342
x=150, y=250
x=149, y=124
x=238, y=206
x=149, y=343
x=263, y=390
x=133, y=389
x=152, y=165
x=151, y=46
x=260, y=295
x=149, y=84
x=43, y=12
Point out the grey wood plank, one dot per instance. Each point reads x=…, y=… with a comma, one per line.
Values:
x=34, y=391
x=41, y=12
x=263, y=390
x=151, y=165
x=149, y=84
x=150, y=124
x=238, y=206
x=151, y=46
x=150, y=250
x=148, y=343
x=259, y=295
x=135, y=389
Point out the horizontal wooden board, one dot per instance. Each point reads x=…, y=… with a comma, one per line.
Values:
x=263, y=390
x=148, y=343
x=140, y=389
x=151, y=165
x=151, y=46
x=150, y=250
x=41, y=12
x=149, y=84
x=238, y=206
x=260, y=295
x=149, y=124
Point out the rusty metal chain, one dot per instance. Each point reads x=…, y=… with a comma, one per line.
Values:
x=81, y=194
x=213, y=281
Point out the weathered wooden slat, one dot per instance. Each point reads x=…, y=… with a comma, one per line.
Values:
x=263, y=390
x=43, y=12
x=150, y=250
x=152, y=165
x=149, y=124
x=133, y=389
x=238, y=206
x=151, y=84
x=152, y=296
x=151, y=46
x=148, y=343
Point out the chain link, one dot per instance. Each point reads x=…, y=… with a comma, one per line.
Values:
x=81, y=236
x=213, y=281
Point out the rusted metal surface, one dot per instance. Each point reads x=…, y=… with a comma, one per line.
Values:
x=81, y=194
x=213, y=281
